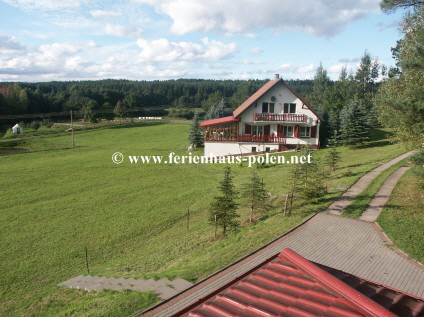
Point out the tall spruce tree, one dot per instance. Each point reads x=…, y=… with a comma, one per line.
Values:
x=223, y=210
x=195, y=137
x=320, y=90
x=256, y=195
x=355, y=131
x=311, y=178
x=333, y=155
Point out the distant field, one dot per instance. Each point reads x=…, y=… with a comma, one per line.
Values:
x=56, y=201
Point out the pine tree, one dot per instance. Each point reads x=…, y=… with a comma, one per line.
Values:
x=223, y=209
x=311, y=178
x=354, y=125
x=256, y=194
x=119, y=110
x=333, y=156
x=320, y=91
x=195, y=137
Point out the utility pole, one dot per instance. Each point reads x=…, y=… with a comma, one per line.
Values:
x=72, y=130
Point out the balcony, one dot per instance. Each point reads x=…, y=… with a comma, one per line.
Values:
x=279, y=117
x=261, y=138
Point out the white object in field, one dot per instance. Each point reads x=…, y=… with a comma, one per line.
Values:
x=17, y=129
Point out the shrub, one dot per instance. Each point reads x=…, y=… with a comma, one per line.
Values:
x=47, y=123
x=35, y=125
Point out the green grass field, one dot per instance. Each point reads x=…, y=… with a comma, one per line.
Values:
x=58, y=200
x=402, y=218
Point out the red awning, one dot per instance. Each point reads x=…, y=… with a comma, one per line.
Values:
x=223, y=120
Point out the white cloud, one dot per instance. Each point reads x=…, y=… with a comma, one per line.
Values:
x=105, y=13
x=45, y=4
x=256, y=51
x=250, y=35
x=305, y=69
x=318, y=17
x=121, y=30
x=9, y=43
x=162, y=50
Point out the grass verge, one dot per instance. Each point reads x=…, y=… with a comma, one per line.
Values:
x=402, y=218
x=360, y=204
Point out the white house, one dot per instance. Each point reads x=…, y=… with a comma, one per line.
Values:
x=16, y=129
x=275, y=118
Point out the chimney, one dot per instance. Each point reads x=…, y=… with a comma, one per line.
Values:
x=277, y=76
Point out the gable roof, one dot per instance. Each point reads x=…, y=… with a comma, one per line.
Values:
x=290, y=285
x=223, y=120
x=264, y=89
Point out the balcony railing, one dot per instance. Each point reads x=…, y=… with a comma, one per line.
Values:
x=282, y=117
x=261, y=138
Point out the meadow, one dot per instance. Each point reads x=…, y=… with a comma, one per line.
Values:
x=56, y=201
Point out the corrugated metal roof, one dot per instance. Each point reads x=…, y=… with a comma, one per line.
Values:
x=223, y=120
x=290, y=285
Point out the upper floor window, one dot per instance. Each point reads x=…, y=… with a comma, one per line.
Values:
x=304, y=132
x=289, y=108
x=267, y=107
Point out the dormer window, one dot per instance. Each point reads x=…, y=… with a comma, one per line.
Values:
x=289, y=108
x=267, y=107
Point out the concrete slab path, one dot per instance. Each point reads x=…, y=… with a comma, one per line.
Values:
x=164, y=288
x=347, y=198
x=377, y=203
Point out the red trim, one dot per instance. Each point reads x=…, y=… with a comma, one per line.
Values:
x=223, y=120
x=296, y=131
x=360, y=301
x=313, y=131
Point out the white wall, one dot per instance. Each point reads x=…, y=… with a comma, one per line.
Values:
x=223, y=148
x=283, y=95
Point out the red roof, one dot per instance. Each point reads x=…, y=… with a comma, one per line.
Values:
x=290, y=285
x=223, y=120
x=255, y=96
x=252, y=99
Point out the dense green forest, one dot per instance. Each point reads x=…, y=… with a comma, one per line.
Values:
x=44, y=97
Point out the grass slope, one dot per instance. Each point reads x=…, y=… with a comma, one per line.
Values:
x=402, y=218
x=56, y=201
x=360, y=204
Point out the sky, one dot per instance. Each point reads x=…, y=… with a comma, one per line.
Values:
x=43, y=40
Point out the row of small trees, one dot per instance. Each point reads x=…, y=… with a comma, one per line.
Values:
x=223, y=211
x=307, y=181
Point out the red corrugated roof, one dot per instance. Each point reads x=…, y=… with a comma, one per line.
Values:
x=223, y=120
x=290, y=285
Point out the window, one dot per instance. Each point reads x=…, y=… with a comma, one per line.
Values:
x=304, y=132
x=267, y=149
x=257, y=129
x=288, y=131
x=253, y=148
x=289, y=108
x=267, y=107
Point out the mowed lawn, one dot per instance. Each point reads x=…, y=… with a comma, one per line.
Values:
x=402, y=218
x=131, y=218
